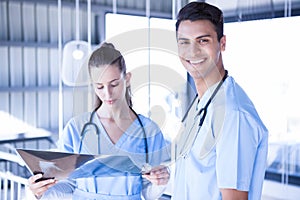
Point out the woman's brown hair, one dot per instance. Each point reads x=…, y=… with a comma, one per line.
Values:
x=105, y=55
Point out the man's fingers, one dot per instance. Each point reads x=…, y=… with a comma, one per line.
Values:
x=158, y=176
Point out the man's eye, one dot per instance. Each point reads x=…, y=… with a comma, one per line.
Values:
x=203, y=41
x=183, y=42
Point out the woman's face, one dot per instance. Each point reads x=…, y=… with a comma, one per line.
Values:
x=110, y=84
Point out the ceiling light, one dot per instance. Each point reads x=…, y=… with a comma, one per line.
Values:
x=78, y=54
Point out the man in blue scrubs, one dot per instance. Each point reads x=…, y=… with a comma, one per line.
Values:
x=223, y=150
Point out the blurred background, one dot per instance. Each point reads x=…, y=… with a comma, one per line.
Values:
x=44, y=46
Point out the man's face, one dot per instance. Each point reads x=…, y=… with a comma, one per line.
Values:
x=198, y=47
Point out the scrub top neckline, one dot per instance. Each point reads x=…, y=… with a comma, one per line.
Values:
x=121, y=139
x=203, y=100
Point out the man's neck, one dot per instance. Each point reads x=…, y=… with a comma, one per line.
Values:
x=203, y=84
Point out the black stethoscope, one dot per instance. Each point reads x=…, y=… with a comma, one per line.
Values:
x=85, y=131
x=202, y=112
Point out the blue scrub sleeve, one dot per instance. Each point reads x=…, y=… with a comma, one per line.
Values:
x=236, y=151
x=69, y=139
x=62, y=190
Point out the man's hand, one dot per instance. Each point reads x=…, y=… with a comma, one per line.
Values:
x=159, y=175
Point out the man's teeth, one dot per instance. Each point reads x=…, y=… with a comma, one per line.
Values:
x=196, y=61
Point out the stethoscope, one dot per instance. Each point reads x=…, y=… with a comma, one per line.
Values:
x=84, y=132
x=201, y=113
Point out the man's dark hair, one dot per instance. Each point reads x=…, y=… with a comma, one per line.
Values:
x=202, y=11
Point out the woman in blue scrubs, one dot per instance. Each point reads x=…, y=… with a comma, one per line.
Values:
x=121, y=132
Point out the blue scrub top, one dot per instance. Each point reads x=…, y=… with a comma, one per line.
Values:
x=131, y=143
x=236, y=156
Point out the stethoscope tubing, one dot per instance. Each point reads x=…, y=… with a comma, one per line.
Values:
x=202, y=110
x=91, y=123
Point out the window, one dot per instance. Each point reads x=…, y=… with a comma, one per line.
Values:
x=158, y=78
x=263, y=56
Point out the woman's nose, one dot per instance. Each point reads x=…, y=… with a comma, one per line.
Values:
x=108, y=91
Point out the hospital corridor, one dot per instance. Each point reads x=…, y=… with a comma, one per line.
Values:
x=149, y=99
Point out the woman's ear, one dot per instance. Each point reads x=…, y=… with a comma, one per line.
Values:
x=127, y=78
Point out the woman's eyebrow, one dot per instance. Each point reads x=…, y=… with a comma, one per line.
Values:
x=116, y=79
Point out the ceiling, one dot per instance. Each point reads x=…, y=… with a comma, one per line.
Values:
x=34, y=21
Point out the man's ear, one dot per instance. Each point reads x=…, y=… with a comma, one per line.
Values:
x=127, y=78
x=223, y=43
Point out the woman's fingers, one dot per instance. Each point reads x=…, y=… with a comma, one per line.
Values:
x=39, y=188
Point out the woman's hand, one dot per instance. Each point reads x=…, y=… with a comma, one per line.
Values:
x=159, y=175
x=40, y=187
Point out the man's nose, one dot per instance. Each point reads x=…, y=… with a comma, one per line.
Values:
x=194, y=49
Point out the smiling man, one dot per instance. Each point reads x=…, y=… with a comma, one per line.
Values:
x=224, y=151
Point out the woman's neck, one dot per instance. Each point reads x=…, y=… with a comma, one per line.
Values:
x=115, y=113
